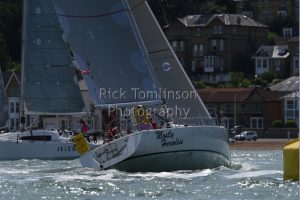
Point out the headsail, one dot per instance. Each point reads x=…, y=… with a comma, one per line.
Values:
x=3, y=112
x=49, y=80
x=103, y=40
x=167, y=69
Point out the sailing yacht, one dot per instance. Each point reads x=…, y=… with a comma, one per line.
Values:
x=49, y=87
x=133, y=70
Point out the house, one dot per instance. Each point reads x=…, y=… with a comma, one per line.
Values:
x=289, y=90
x=3, y=104
x=12, y=87
x=210, y=46
x=265, y=10
x=12, y=91
x=293, y=45
x=249, y=107
x=272, y=59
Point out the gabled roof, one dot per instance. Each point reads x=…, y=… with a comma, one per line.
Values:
x=277, y=51
x=289, y=85
x=8, y=76
x=226, y=19
x=229, y=95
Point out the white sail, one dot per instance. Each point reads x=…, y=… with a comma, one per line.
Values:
x=162, y=57
x=104, y=41
x=3, y=112
x=49, y=84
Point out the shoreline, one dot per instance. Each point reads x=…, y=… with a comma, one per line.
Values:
x=260, y=144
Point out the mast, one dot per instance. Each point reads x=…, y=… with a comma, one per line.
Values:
x=22, y=101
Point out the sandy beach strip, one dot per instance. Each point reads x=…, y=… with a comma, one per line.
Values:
x=260, y=144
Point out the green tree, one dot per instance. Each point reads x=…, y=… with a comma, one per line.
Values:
x=236, y=78
x=10, y=29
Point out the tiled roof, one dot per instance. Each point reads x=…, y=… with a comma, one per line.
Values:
x=215, y=95
x=289, y=85
x=229, y=95
x=227, y=19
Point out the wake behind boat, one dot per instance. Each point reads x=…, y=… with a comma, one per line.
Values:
x=36, y=144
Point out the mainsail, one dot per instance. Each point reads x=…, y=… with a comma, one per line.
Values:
x=122, y=44
x=3, y=112
x=49, y=83
x=166, y=67
x=104, y=40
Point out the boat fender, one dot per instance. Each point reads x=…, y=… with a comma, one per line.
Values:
x=80, y=143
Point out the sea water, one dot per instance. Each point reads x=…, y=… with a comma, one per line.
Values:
x=254, y=175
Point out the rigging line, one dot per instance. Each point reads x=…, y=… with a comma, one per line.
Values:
x=158, y=51
x=105, y=14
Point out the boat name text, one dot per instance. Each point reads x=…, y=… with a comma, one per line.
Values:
x=167, y=138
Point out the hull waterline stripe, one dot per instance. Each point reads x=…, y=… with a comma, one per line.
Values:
x=151, y=154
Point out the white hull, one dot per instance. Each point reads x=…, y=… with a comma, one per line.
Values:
x=45, y=150
x=182, y=148
x=36, y=144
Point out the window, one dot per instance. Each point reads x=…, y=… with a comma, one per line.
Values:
x=221, y=45
x=220, y=29
x=291, y=109
x=256, y=122
x=287, y=32
x=264, y=63
x=12, y=107
x=258, y=63
x=221, y=63
x=17, y=107
x=234, y=30
x=182, y=46
x=211, y=109
x=197, y=50
x=277, y=64
x=215, y=29
x=289, y=104
x=213, y=62
x=174, y=45
x=194, y=64
x=213, y=45
x=63, y=124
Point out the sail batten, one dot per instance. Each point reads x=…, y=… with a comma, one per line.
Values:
x=49, y=83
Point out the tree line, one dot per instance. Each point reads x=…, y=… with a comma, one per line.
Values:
x=165, y=10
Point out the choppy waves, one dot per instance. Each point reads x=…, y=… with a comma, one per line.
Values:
x=253, y=175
